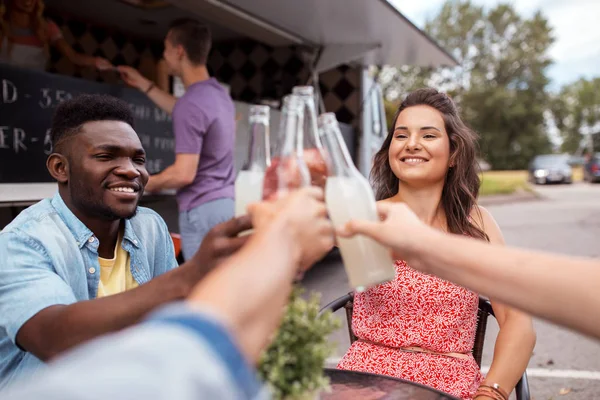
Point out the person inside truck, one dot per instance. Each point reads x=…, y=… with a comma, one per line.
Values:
x=419, y=327
x=204, y=130
x=89, y=260
x=26, y=36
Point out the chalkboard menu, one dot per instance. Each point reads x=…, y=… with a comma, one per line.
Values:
x=27, y=102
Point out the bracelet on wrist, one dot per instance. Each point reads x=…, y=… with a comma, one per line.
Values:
x=494, y=391
x=499, y=389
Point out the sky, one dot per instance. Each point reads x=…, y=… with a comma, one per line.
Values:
x=575, y=23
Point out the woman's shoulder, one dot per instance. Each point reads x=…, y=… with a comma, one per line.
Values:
x=480, y=215
x=485, y=221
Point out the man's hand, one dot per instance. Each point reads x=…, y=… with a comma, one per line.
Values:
x=220, y=242
x=132, y=77
x=304, y=212
x=249, y=290
x=103, y=64
x=399, y=229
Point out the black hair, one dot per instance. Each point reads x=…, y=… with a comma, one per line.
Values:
x=194, y=37
x=72, y=114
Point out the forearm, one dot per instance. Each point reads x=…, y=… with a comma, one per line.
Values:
x=162, y=99
x=526, y=280
x=169, y=178
x=60, y=328
x=253, y=322
x=83, y=60
x=513, y=349
x=178, y=348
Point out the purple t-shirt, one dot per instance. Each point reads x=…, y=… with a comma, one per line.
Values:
x=204, y=123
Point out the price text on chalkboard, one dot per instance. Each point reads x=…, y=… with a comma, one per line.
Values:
x=27, y=102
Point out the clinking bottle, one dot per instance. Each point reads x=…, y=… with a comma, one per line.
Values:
x=249, y=181
x=288, y=170
x=348, y=195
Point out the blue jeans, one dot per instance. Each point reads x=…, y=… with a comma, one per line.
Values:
x=194, y=224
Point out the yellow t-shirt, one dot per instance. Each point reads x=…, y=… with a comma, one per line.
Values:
x=115, y=273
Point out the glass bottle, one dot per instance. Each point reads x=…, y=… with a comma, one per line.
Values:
x=314, y=155
x=249, y=181
x=349, y=195
x=288, y=170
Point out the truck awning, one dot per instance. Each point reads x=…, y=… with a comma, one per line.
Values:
x=371, y=32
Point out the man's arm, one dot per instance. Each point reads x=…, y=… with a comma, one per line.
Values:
x=60, y=327
x=190, y=125
x=83, y=60
x=180, y=174
x=516, y=337
x=290, y=236
x=178, y=348
x=57, y=327
x=161, y=98
x=551, y=286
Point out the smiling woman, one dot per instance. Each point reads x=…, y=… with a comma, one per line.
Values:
x=428, y=128
x=419, y=327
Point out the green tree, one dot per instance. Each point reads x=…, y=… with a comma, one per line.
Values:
x=576, y=112
x=500, y=82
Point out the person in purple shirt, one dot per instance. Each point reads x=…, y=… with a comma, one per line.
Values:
x=204, y=129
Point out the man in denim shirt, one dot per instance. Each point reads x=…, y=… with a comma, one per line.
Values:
x=205, y=347
x=89, y=261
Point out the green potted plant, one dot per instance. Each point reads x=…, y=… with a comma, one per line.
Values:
x=292, y=366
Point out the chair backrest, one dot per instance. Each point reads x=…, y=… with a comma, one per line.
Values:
x=484, y=310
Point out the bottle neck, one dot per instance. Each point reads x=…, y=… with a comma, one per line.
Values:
x=293, y=134
x=339, y=159
x=311, y=133
x=259, y=149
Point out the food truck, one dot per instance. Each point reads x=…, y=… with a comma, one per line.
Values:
x=261, y=49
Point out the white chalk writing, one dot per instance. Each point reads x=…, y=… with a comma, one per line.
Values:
x=17, y=135
x=48, y=142
x=9, y=92
x=163, y=143
x=53, y=97
x=154, y=165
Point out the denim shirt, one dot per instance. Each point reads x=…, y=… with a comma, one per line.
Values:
x=49, y=257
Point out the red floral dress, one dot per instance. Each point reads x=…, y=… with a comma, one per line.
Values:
x=416, y=309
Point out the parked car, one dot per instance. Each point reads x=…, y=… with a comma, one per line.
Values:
x=551, y=168
x=591, y=169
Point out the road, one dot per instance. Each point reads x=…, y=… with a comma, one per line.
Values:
x=566, y=219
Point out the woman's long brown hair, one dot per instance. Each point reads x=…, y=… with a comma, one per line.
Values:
x=461, y=187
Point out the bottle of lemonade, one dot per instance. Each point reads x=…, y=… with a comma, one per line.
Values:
x=314, y=155
x=249, y=182
x=288, y=170
x=348, y=195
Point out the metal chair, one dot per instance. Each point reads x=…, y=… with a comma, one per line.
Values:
x=485, y=310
